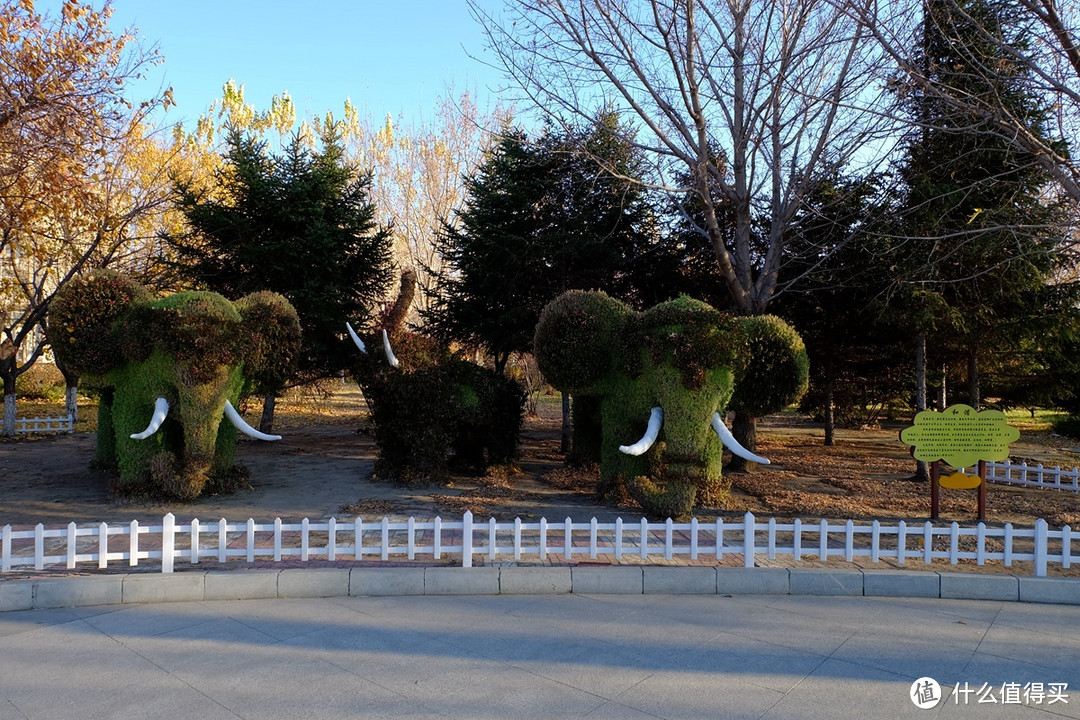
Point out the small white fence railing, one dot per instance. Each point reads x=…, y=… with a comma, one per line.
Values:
x=1026, y=475
x=63, y=423
x=357, y=540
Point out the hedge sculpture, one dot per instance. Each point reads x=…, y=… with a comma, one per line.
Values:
x=667, y=375
x=168, y=370
x=430, y=409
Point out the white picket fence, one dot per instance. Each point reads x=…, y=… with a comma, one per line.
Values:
x=747, y=540
x=63, y=423
x=1032, y=476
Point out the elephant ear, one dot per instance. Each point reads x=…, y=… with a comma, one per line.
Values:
x=81, y=321
x=776, y=369
x=578, y=339
x=270, y=329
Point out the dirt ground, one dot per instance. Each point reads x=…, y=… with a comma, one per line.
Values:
x=323, y=465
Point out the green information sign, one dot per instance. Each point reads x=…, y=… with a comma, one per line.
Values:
x=961, y=436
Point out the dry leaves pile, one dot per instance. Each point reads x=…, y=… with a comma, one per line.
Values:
x=492, y=491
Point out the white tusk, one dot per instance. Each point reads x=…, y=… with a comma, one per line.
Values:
x=390, y=358
x=161, y=409
x=238, y=422
x=356, y=338
x=732, y=444
x=656, y=419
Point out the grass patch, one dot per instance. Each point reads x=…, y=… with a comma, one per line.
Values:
x=1039, y=421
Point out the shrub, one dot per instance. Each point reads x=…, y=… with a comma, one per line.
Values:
x=42, y=381
x=1068, y=426
x=435, y=411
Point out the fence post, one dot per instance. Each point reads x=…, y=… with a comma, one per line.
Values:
x=71, y=530
x=195, y=541
x=133, y=544
x=103, y=545
x=223, y=540
x=901, y=542
x=5, y=553
x=436, y=531
x=748, y=539
x=168, y=542
x=39, y=546
x=466, y=539
x=1041, y=549
x=411, y=544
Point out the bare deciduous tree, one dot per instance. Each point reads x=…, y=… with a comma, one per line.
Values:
x=418, y=175
x=1049, y=56
x=68, y=141
x=753, y=102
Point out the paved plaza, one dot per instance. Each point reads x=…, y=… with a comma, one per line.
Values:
x=552, y=656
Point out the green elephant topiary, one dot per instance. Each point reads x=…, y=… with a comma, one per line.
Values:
x=667, y=375
x=179, y=362
x=429, y=408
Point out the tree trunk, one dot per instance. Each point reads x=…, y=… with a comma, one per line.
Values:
x=744, y=428
x=71, y=395
x=564, y=438
x=830, y=415
x=266, y=422
x=973, y=376
x=943, y=396
x=922, y=471
x=9, y=405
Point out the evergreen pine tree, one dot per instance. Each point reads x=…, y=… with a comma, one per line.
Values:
x=975, y=230
x=298, y=223
x=541, y=217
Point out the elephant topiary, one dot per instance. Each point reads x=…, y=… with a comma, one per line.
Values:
x=667, y=375
x=179, y=363
x=430, y=409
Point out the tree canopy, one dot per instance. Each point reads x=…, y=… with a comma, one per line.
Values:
x=299, y=223
x=541, y=216
x=74, y=176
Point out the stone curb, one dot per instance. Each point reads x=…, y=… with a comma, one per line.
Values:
x=590, y=580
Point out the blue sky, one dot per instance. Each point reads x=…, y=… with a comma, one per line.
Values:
x=388, y=56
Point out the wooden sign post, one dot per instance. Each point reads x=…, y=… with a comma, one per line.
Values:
x=962, y=437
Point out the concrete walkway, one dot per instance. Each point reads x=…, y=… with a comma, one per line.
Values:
x=557, y=656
